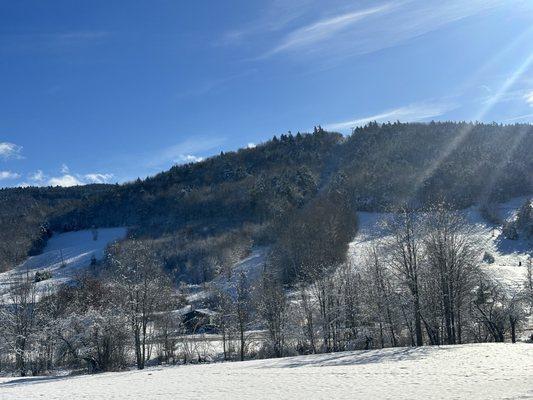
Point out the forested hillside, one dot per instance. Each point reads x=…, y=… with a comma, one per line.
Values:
x=250, y=196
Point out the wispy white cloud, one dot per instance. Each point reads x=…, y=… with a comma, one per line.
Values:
x=210, y=85
x=10, y=151
x=37, y=176
x=184, y=152
x=528, y=97
x=76, y=36
x=520, y=118
x=274, y=16
x=64, y=180
x=4, y=175
x=97, y=178
x=410, y=113
x=190, y=158
x=325, y=29
x=51, y=41
x=338, y=29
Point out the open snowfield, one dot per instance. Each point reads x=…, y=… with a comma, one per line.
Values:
x=480, y=371
x=65, y=255
x=251, y=266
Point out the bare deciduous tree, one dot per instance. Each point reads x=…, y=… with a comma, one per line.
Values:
x=144, y=289
x=273, y=308
x=452, y=257
x=405, y=248
x=18, y=320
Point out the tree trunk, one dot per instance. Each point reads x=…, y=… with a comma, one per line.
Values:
x=513, y=329
x=242, y=343
x=418, y=320
x=138, y=356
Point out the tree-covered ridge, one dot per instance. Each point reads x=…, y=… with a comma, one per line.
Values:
x=464, y=163
x=374, y=168
x=250, y=184
x=379, y=165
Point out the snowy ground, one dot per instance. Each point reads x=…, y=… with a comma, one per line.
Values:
x=65, y=256
x=508, y=254
x=480, y=371
x=251, y=266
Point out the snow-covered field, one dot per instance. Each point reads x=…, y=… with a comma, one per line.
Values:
x=65, y=255
x=480, y=371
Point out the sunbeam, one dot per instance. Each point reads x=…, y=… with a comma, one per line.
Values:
x=509, y=82
x=496, y=173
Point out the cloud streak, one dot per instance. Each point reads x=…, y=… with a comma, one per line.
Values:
x=275, y=16
x=185, y=151
x=50, y=41
x=410, y=113
x=324, y=29
x=520, y=118
x=337, y=30
x=528, y=97
x=10, y=151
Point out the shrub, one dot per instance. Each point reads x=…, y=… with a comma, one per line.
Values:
x=488, y=258
x=42, y=276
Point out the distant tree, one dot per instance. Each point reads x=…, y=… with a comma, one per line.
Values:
x=488, y=258
x=509, y=230
x=528, y=284
x=490, y=309
x=524, y=218
x=243, y=311
x=225, y=320
x=273, y=309
x=314, y=241
x=489, y=211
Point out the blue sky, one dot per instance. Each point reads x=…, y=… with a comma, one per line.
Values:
x=108, y=91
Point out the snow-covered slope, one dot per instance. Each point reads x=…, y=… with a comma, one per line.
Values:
x=508, y=254
x=65, y=255
x=251, y=267
x=480, y=371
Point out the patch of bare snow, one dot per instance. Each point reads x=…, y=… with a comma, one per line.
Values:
x=251, y=267
x=65, y=255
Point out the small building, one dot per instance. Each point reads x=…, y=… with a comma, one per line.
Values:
x=200, y=320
